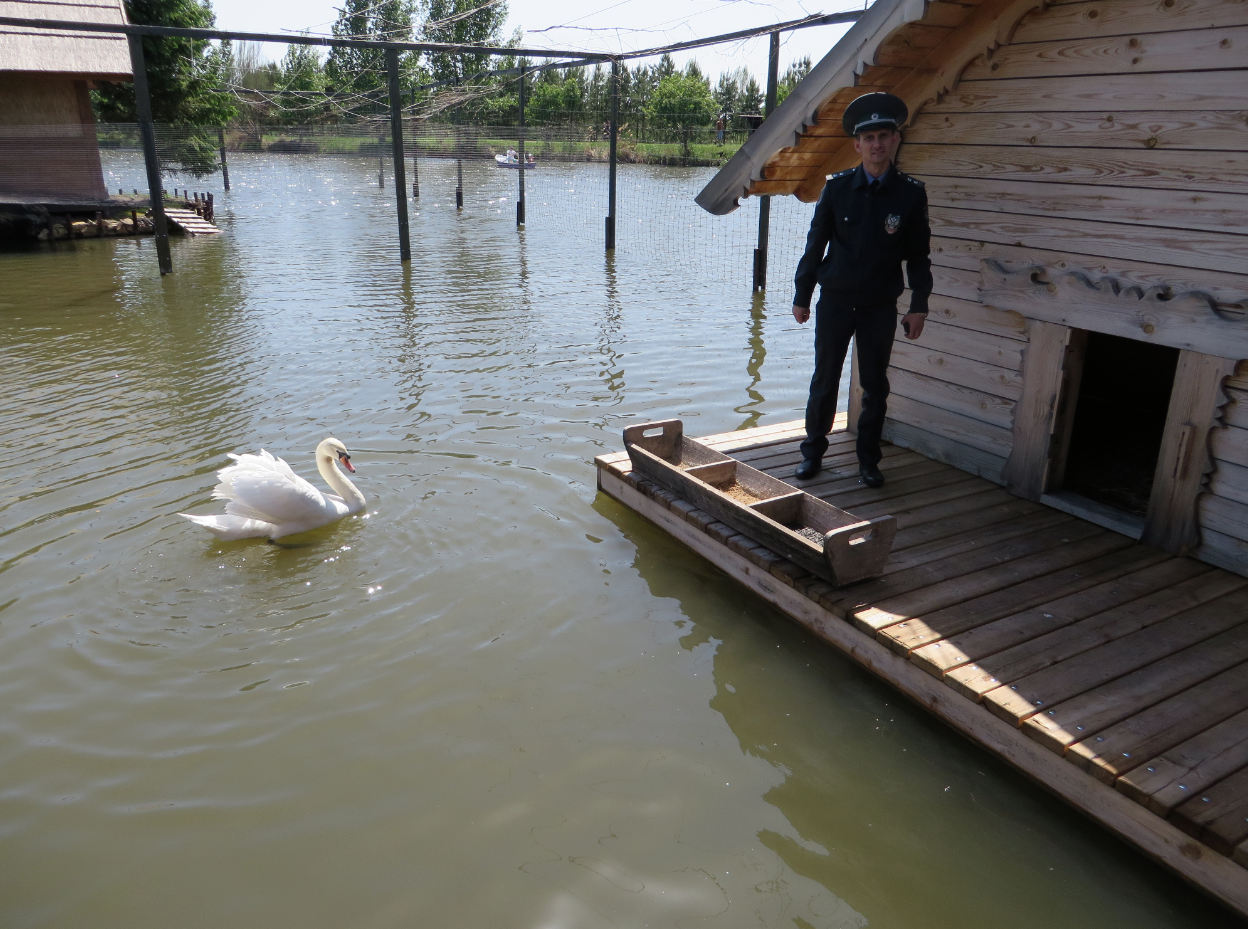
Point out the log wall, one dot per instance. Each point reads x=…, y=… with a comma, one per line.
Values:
x=1107, y=136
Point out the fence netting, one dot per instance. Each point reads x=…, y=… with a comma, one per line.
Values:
x=447, y=166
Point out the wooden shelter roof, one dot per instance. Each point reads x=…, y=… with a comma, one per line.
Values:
x=913, y=48
x=54, y=51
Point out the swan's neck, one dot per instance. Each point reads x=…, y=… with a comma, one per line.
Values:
x=341, y=484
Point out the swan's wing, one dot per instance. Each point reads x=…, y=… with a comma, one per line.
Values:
x=265, y=488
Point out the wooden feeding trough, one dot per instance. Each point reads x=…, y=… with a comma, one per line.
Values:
x=824, y=539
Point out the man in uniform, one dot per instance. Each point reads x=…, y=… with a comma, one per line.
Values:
x=868, y=221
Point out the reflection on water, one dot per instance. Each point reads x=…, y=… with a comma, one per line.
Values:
x=496, y=698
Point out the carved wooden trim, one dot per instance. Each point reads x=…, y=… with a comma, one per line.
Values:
x=1117, y=305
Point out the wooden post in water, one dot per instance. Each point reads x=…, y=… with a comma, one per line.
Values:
x=520, y=170
x=764, y=205
x=396, y=140
x=143, y=103
x=459, y=183
x=225, y=168
x=611, y=161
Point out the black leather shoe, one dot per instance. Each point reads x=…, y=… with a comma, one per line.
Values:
x=870, y=475
x=808, y=469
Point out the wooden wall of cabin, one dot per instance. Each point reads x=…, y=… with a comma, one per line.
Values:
x=1109, y=136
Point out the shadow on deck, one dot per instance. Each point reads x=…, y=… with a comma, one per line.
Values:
x=1111, y=672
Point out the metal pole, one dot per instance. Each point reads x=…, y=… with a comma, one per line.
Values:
x=764, y=206
x=611, y=161
x=520, y=170
x=143, y=102
x=396, y=139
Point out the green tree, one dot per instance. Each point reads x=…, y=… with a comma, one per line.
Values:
x=726, y=92
x=355, y=76
x=300, y=90
x=792, y=76
x=751, y=99
x=186, y=80
x=462, y=22
x=681, y=104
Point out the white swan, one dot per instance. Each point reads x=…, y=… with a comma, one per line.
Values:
x=264, y=498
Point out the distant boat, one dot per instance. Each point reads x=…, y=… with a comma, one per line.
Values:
x=504, y=162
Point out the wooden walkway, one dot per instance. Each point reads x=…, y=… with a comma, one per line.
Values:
x=190, y=222
x=1114, y=674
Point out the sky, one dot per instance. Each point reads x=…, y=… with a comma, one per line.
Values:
x=598, y=25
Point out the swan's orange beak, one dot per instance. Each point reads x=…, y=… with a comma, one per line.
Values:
x=346, y=461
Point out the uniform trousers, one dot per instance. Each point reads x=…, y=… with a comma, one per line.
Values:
x=872, y=328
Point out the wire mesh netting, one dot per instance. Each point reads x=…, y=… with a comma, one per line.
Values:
x=446, y=167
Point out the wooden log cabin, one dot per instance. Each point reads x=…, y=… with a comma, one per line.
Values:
x=1068, y=457
x=1087, y=172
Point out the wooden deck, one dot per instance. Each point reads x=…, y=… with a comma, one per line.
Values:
x=1112, y=673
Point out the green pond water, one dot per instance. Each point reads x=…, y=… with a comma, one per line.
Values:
x=497, y=698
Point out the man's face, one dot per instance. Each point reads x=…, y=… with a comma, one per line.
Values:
x=877, y=148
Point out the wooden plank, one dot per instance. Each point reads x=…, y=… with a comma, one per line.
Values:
x=1030, y=640
x=1044, y=362
x=1193, y=130
x=1225, y=516
x=952, y=396
x=1143, y=204
x=1098, y=53
x=948, y=502
x=1183, y=460
x=969, y=322
x=1230, y=481
x=1176, y=659
x=1218, y=815
x=1236, y=414
x=919, y=359
x=943, y=448
x=1116, y=17
x=1142, y=631
x=1068, y=568
x=970, y=539
x=897, y=598
x=1224, y=551
x=1151, y=834
x=989, y=624
x=1182, y=91
x=995, y=440
x=1124, y=745
x=980, y=512
x=1101, y=240
x=1223, y=171
x=1183, y=770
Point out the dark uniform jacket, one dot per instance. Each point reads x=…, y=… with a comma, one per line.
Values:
x=859, y=238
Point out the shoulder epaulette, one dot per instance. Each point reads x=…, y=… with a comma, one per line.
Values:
x=912, y=180
x=848, y=171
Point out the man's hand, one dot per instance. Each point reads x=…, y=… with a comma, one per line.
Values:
x=912, y=324
x=801, y=313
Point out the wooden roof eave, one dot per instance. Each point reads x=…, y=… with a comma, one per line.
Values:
x=784, y=127
x=819, y=146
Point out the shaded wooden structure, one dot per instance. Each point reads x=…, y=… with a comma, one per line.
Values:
x=1111, y=672
x=48, y=148
x=1086, y=163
